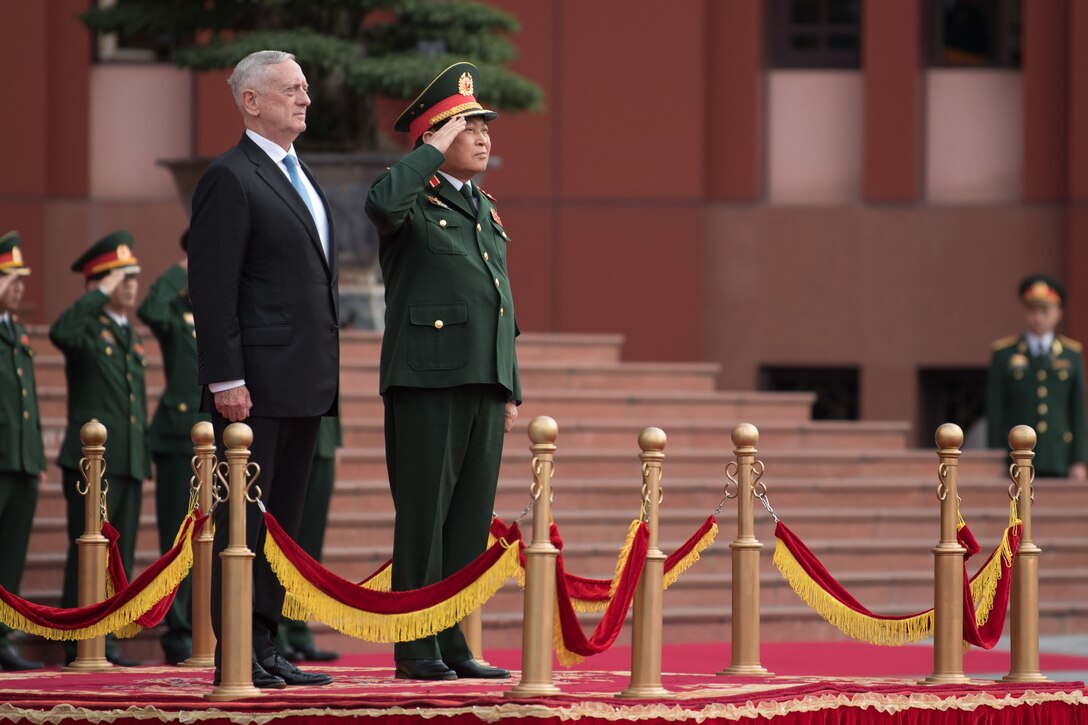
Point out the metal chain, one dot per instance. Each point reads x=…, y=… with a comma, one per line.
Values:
x=760, y=490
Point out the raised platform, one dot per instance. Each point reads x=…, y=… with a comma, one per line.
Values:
x=364, y=690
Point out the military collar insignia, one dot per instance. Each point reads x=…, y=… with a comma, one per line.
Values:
x=107, y=336
x=493, y=199
x=437, y=202
x=1056, y=346
x=496, y=217
x=434, y=182
x=103, y=319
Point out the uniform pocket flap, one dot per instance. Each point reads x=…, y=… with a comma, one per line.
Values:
x=448, y=313
x=268, y=335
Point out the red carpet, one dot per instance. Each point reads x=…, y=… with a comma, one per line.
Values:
x=364, y=689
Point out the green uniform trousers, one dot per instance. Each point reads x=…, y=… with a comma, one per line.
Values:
x=123, y=502
x=173, y=472
x=443, y=450
x=311, y=537
x=18, y=499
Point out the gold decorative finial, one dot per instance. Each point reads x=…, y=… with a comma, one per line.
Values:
x=949, y=436
x=1022, y=437
x=745, y=435
x=203, y=434
x=543, y=429
x=92, y=433
x=238, y=435
x=652, y=439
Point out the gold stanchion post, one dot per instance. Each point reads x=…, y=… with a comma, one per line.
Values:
x=948, y=566
x=1024, y=595
x=540, y=557
x=646, y=632
x=472, y=626
x=745, y=472
x=236, y=649
x=204, y=463
x=92, y=545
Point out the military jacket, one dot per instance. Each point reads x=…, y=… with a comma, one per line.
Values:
x=329, y=437
x=21, y=449
x=449, y=317
x=169, y=314
x=1044, y=392
x=104, y=367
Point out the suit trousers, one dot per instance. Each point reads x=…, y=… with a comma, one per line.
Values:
x=173, y=473
x=18, y=499
x=443, y=447
x=283, y=448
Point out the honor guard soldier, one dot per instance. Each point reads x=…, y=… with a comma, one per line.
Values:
x=296, y=641
x=104, y=367
x=1037, y=379
x=449, y=372
x=169, y=313
x=22, y=458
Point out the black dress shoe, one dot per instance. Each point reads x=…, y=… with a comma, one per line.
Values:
x=473, y=670
x=311, y=653
x=12, y=661
x=262, y=679
x=424, y=670
x=116, y=658
x=176, y=658
x=278, y=666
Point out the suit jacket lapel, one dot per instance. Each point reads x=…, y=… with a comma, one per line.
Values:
x=281, y=185
x=331, y=261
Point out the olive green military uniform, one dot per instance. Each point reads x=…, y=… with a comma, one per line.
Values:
x=104, y=369
x=315, y=517
x=22, y=458
x=169, y=314
x=1045, y=392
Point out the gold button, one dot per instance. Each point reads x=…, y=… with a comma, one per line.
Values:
x=24, y=392
x=183, y=407
x=501, y=312
x=1042, y=409
x=441, y=222
x=1067, y=436
x=1041, y=375
x=194, y=333
x=486, y=257
x=129, y=376
x=496, y=281
x=439, y=324
x=479, y=228
x=1063, y=375
x=19, y=372
x=26, y=415
x=1042, y=391
x=132, y=396
x=109, y=350
x=132, y=419
x=1041, y=427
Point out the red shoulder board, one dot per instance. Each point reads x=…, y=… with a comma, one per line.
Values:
x=495, y=216
x=434, y=182
x=487, y=195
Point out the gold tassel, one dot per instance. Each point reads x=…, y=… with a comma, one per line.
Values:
x=585, y=606
x=984, y=587
x=308, y=603
x=564, y=655
x=122, y=622
x=693, y=556
x=846, y=620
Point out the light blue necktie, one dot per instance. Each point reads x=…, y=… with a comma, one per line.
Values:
x=296, y=181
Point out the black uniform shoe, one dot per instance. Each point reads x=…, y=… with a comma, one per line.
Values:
x=262, y=679
x=12, y=661
x=176, y=657
x=115, y=657
x=276, y=665
x=424, y=670
x=310, y=653
x=471, y=669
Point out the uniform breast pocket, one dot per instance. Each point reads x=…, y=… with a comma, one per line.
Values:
x=444, y=234
x=438, y=336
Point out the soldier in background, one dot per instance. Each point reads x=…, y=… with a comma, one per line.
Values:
x=1037, y=379
x=296, y=641
x=169, y=314
x=104, y=368
x=22, y=458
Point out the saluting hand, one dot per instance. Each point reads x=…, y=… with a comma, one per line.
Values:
x=109, y=283
x=5, y=282
x=443, y=137
x=510, y=416
x=234, y=404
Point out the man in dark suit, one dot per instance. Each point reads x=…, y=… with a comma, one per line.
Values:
x=22, y=457
x=262, y=278
x=449, y=373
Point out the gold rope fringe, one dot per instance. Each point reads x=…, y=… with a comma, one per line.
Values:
x=121, y=622
x=846, y=620
x=693, y=556
x=599, y=605
x=984, y=587
x=308, y=603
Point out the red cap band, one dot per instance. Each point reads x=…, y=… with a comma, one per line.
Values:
x=441, y=111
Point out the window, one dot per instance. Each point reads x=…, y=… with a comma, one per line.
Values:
x=952, y=395
x=984, y=33
x=816, y=33
x=836, y=388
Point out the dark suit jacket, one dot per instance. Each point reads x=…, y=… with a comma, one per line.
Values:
x=264, y=297
x=449, y=315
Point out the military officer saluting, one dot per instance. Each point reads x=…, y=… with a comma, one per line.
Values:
x=104, y=367
x=22, y=459
x=1037, y=379
x=169, y=313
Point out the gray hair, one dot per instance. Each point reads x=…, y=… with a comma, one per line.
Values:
x=251, y=70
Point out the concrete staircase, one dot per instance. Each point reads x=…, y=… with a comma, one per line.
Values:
x=853, y=491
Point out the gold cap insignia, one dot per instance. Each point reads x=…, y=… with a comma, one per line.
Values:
x=16, y=255
x=464, y=84
x=123, y=252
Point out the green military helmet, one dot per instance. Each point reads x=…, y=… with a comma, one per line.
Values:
x=1042, y=289
x=113, y=251
x=11, y=258
x=451, y=93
